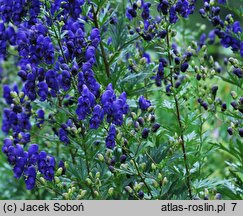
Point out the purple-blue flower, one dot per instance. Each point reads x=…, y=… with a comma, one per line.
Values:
x=97, y=117
x=110, y=139
x=85, y=103
x=144, y=104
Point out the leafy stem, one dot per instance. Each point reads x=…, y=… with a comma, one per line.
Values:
x=87, y=160
x=142, y=178
x=178, y=115
x=106, y=63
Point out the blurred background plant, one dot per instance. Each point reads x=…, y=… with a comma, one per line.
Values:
x=215, y=158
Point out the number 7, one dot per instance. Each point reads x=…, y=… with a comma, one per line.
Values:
x=234, y=205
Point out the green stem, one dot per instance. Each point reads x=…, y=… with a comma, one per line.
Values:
x=87, y=161
x=106, y=63
x=142, y=178
x=178, y=115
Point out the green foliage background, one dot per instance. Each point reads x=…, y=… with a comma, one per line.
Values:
x=223, y=169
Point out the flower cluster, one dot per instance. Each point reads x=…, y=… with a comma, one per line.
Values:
x=114, y=107
x=63, y=102
x=149, y=29
x=227, y=30
x=7, y=36
x=15, y=10
x=67, y=8
x=25, y=163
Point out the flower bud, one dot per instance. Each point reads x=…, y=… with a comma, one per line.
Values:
x=59, y=171
x=73, y=189
x=141, y=194
x=90, y=174
x=233, y=94
x=223, y=107
x=145, y=133
x=66, y=165
x=151, y=109
x=82, y=193
x=160, y=177
x=128, y=189
x=136, y=186
x=218, y=196
x=141, y=121
x=233, y=61
x=230, y=131
x=234, y=104
x=88, y=181
x=165, y=181
x=100, y=157
x=97, y=175
x=96, y=193
x=21, y=94
x=14, y=94
x=214, y=90
x=42, y=180
x=130, y=61
x=153, y=166
x=129, y=122
x=139, y=3
x=111, y=191
x=66, y=196
x=123, y=158
x=133, y=114
x=57, y=180
x=112, y=168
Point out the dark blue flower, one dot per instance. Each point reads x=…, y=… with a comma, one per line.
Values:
x=238, y=72
x=97, y=117
x=163, y=6
x=147, y=57
x=107, y=99
x=182, y=7
x=33, y=154
x=40, y=117
x=51, y=80
x=113, y=107
x=184, y=66
x=95, y=36
x=42, y=91
x=7, y=94
x=65, y=80
x=123, y=158
x=131, y=13
x=236, y=27
x=229, y=41
x=222, y=1
x=173, y=15
x=30, y=177
x=90, y=53
x=85, y=103
x=63, y=136
x=61, y=164
x=110, y=139
x=146, y=13
x=241, y=49
x=46, y=165
x=145, y=133
x=144, y=104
